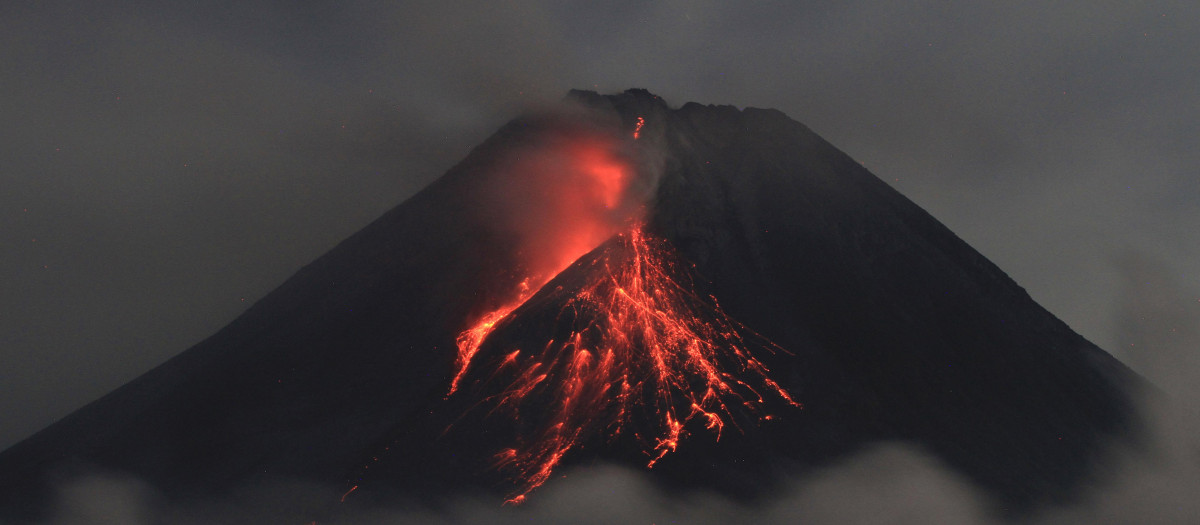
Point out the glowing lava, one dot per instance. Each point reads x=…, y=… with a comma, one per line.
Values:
x=347, y=493
x=634, y=351
x=645, y=356
x=469, y=340
x=560, y=201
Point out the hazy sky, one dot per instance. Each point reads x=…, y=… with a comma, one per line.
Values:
x=163, y=165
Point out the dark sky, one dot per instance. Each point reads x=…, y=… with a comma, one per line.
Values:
x=163, y=165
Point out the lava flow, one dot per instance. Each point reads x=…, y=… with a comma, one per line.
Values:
x=469, y=340
x=569, y=197
x=634, y=350
x=645, y=356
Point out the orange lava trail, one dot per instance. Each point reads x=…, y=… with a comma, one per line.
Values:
x=583, y=198
x=469, y=340
x=650, y=345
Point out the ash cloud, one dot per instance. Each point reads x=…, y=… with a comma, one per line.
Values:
x=562, y=191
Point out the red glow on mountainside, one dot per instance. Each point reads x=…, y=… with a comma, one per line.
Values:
x=469, y=340
x=643, y=346
x=586, y=207
x=559, y=202
x=634, y=352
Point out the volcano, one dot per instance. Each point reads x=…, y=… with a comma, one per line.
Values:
x=713, y=295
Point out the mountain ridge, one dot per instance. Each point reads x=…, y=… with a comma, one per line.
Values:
x=876, y=301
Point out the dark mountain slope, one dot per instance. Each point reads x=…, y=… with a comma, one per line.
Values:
x=893, y=328
x=941, y=347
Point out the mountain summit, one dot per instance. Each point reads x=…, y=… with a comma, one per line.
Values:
x=717, y=296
